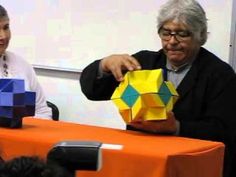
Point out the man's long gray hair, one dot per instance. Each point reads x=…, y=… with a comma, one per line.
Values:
x=188, y=12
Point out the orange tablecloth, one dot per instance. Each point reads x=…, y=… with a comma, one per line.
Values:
x=142, y=155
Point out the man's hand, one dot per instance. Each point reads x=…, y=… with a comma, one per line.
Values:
x=168, y=126
x=118, y=63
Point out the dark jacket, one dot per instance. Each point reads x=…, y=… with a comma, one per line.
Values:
x=206, y=108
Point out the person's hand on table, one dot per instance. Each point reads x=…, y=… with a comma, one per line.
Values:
x=168, y=126
x=118, y=63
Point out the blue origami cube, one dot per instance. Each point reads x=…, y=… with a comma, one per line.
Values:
x=11, y=99
x=15, y=102
x=12, y=85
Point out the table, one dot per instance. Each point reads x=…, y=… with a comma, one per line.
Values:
x=142, y=155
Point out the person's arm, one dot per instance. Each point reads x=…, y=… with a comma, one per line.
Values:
x=41, y=108
x=218, y=120
x=101, y=88
x=99, y=79
x=94, y=87
x=21, y=69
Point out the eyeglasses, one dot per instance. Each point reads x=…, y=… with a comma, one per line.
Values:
x=181, y=35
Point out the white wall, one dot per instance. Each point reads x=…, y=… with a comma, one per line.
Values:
x=66, y=93
x=74, y=107
x=72, y=33
x=80, y=30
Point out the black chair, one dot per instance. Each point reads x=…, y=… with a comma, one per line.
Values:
x=55, y=110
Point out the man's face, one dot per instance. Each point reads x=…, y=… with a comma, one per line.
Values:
x=178, y=43
x=5, y=34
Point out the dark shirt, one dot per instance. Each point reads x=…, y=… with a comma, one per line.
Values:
x=206, y=107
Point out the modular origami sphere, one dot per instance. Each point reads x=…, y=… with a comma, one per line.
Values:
x=15, y=102
x=144, y=95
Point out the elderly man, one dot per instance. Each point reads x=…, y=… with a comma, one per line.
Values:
x=205, y=83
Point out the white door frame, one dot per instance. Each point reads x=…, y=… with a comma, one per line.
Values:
x=232, y=52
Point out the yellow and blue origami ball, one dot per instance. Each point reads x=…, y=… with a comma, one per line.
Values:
x=144, y=95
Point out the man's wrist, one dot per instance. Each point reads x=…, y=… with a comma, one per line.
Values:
x=101, y=73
